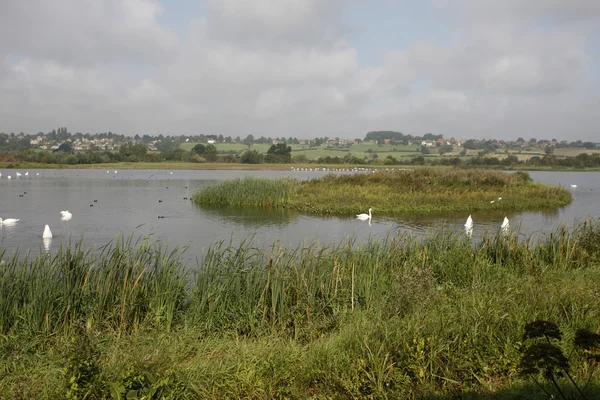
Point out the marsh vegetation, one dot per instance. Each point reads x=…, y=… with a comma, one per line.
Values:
x=399, y=317
x=420, y=190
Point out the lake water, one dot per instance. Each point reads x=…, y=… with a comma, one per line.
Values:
x=130, y=201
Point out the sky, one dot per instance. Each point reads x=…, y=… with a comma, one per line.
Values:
x=304, y=68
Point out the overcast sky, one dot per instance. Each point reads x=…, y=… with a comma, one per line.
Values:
x=305, y=68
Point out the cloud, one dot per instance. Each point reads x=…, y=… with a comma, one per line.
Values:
x=85, y=32
x=294, y=68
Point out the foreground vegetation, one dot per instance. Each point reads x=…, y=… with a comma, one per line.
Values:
x=400, y=318
x=390, y=192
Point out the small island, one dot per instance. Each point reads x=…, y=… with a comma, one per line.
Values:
x=420, y=190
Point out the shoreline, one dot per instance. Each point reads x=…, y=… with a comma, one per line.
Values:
x=260, y=167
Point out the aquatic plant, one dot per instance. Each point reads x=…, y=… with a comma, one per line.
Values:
x=420, y=190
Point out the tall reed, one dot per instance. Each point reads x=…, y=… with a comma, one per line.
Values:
x=398, y=317
x=248, y=191
x=391, y=192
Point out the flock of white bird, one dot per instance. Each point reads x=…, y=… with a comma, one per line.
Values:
x=504, y=227
x=47, y=234
x=17, y=175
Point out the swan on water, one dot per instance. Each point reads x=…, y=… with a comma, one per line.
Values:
x=65, y=215
x=364, y=216
x=8, y=221
x=573, y=186
x=504, y=225
x=47, y=233
x=469, y=223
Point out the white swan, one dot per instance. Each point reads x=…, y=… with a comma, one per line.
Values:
x=504, y=225
x=573, y=186
x=469, y=223
x=47, y=233
x=469, y=227
x=65, y=215
x=363, y=216
x=8, y=221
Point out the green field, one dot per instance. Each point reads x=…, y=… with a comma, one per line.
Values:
x=313, y=153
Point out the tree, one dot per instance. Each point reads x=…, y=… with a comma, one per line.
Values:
x=280, y=149
x=199, y=149
x=249, y=141
x=209, y=151
x=251, y=157
x=66, y=147
x=279, y=152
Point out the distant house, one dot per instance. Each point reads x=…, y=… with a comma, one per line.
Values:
x=211, y=141
x=386, y=141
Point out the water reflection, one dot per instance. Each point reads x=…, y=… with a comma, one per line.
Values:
x=130, y=202
x=249, y=217
x=47, y=243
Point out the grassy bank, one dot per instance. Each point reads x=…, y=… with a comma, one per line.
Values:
x=397, y=318
x=258, y=167
x=391, y=192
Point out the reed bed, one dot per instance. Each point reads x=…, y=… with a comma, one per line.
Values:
x=261, y=192
x=399, y=317
x=392, y=192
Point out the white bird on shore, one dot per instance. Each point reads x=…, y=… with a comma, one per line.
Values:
x=65, y=215
x=47, y=233
x=504, y=225
x=363, y=216
x=8, y=221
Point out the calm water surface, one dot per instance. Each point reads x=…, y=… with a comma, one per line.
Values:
x=130, y=201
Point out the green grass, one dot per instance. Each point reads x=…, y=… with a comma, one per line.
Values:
x=398, y=317
x=261, y=192
x=392, y=192
x=313, y=153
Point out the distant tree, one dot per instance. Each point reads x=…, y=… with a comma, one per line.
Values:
x=431, y=136
x=280, y=149
x=209, y=151
x=588, y=145
x=279, y=153
x=249, y=141
x=66, y=147
x=446, y=148
x=251, y=157
x=199, y=149
x=532, y=141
